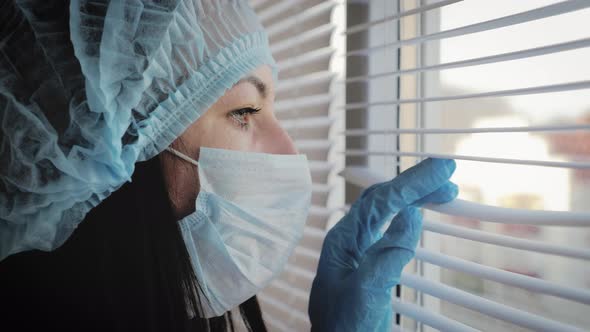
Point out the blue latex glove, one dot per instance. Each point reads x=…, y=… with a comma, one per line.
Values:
x=358, y=265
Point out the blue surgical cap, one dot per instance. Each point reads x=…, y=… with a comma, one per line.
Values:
x=86, y=93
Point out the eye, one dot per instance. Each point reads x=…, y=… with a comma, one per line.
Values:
x=241, y=116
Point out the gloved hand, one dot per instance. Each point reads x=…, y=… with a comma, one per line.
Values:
x=358, y=265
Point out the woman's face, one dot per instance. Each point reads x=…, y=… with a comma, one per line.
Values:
x=242, y=119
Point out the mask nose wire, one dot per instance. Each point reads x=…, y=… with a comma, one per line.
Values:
x=182, y=156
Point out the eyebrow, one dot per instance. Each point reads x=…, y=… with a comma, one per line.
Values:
x=258, y=84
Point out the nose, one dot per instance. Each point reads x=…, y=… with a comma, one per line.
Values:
x=279, y=141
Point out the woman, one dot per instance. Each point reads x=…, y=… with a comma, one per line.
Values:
x=147, y=185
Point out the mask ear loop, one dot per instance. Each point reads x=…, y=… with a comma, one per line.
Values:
x=182, y=156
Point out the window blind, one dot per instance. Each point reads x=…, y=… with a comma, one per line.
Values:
x=472, y=270
x=301, y=34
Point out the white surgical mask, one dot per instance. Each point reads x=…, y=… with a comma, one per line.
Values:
x=250, y=214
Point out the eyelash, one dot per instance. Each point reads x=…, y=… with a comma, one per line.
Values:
x=239, y=115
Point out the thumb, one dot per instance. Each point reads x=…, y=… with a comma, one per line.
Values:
x=383, y=262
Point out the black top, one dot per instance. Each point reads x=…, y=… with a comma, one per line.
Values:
x=35, y=295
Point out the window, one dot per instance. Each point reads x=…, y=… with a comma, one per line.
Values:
x=549, y=101
x=500, y=86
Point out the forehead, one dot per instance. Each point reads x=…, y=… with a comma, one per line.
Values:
x=259, y=79
x=264, y=73
x=256, y=86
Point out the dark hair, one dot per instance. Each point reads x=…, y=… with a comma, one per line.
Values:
x=125, y=268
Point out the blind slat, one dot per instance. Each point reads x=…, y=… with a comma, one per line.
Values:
x=320, y=166
x=313, y=144
x=564, y=164
x=320, y=187
x=302, y=273
x=485, y=306
x=286, y=105
x=505, y=241
x=315, y=233
x=527, y=16
x=307, y=14
x=306, y=58
x=304, y=80
x=467, y=209
x=429, y=318
x=362, y=176
x=397, y=16
x=570, y=86
x=306, y=37
x=397, y=328
x=527, y=129
x=365, y=178
x=257, y=3
x=528, y=53
x=277, y=325
x=301, y=251
x=302, y=295
x=276, y=9
x=310, y=122
x=320, y=211
x=289, y=311
x=535, y=285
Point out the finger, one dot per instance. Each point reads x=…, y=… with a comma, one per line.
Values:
x=383, y=262
x=421, y=179
x=383, y=201
x=446, y=193
x=347, y=241
x=411, y=185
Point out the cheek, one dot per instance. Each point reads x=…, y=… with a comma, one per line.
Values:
x=182, y=184
x=223, y=134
